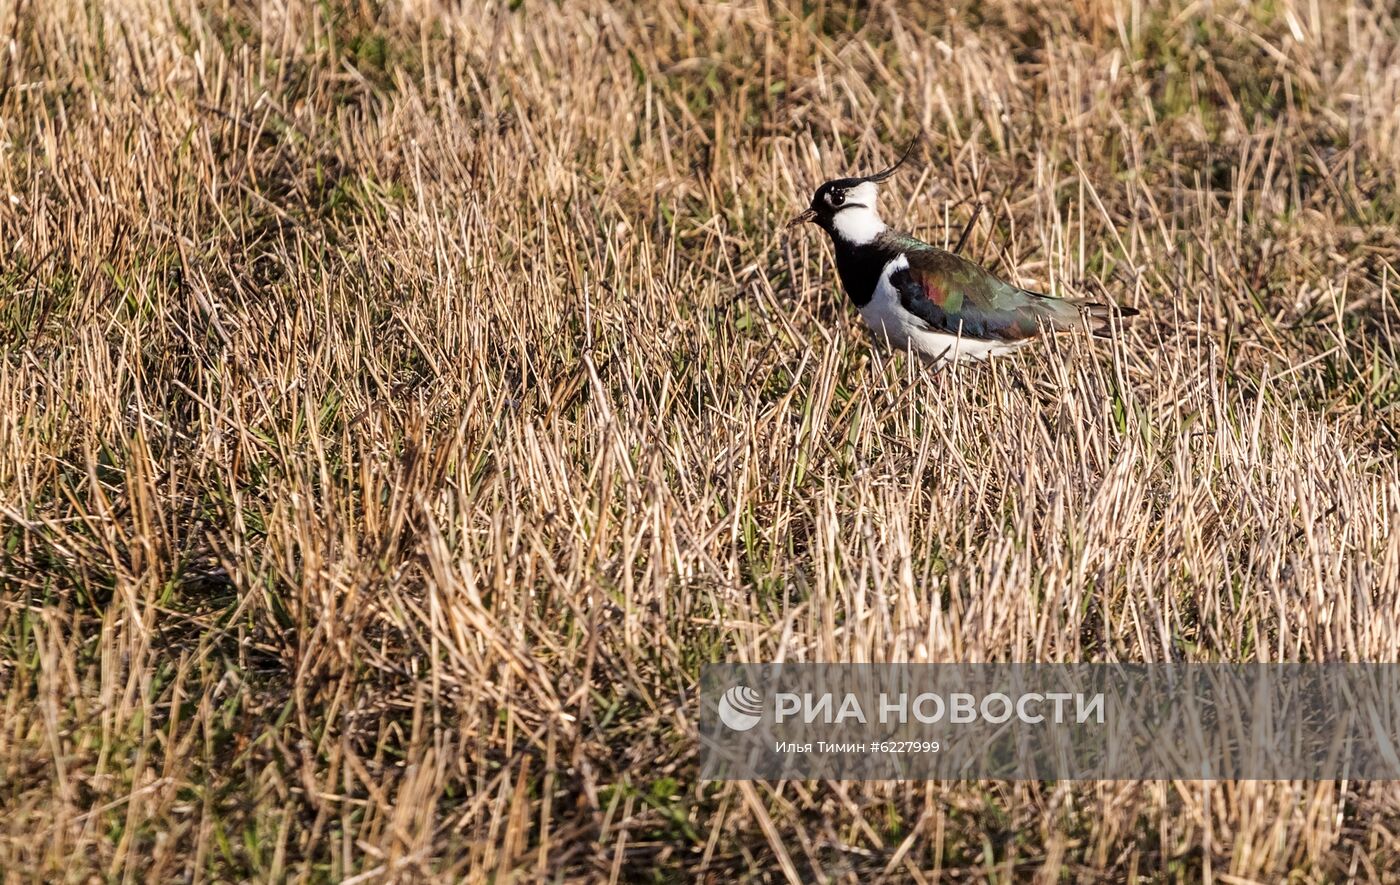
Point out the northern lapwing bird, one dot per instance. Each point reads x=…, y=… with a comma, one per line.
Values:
x=924, y=299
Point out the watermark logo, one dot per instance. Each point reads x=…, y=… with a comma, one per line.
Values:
x=740, y=708
x=1116, y=721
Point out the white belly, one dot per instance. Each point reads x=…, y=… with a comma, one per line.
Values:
x=890, y=322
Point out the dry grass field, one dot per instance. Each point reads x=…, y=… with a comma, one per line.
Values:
x=401, y=402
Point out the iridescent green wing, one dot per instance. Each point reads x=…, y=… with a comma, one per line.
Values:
x=953, y=295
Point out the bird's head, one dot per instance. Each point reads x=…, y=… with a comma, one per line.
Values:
x=845, y=207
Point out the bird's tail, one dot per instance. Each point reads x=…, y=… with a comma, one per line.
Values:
x=1104, y=314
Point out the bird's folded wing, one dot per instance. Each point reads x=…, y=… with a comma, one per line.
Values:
x=951, y=294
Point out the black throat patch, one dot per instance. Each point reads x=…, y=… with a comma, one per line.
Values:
x=860, y=266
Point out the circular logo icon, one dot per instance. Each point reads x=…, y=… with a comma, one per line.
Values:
x=740, y=708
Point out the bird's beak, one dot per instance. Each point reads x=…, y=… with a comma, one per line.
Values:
x=805, y=216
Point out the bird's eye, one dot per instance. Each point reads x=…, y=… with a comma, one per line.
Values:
x=836, y=198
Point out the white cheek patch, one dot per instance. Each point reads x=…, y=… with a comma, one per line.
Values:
x=858, y=225
x=864, y=193
x=859, y=222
